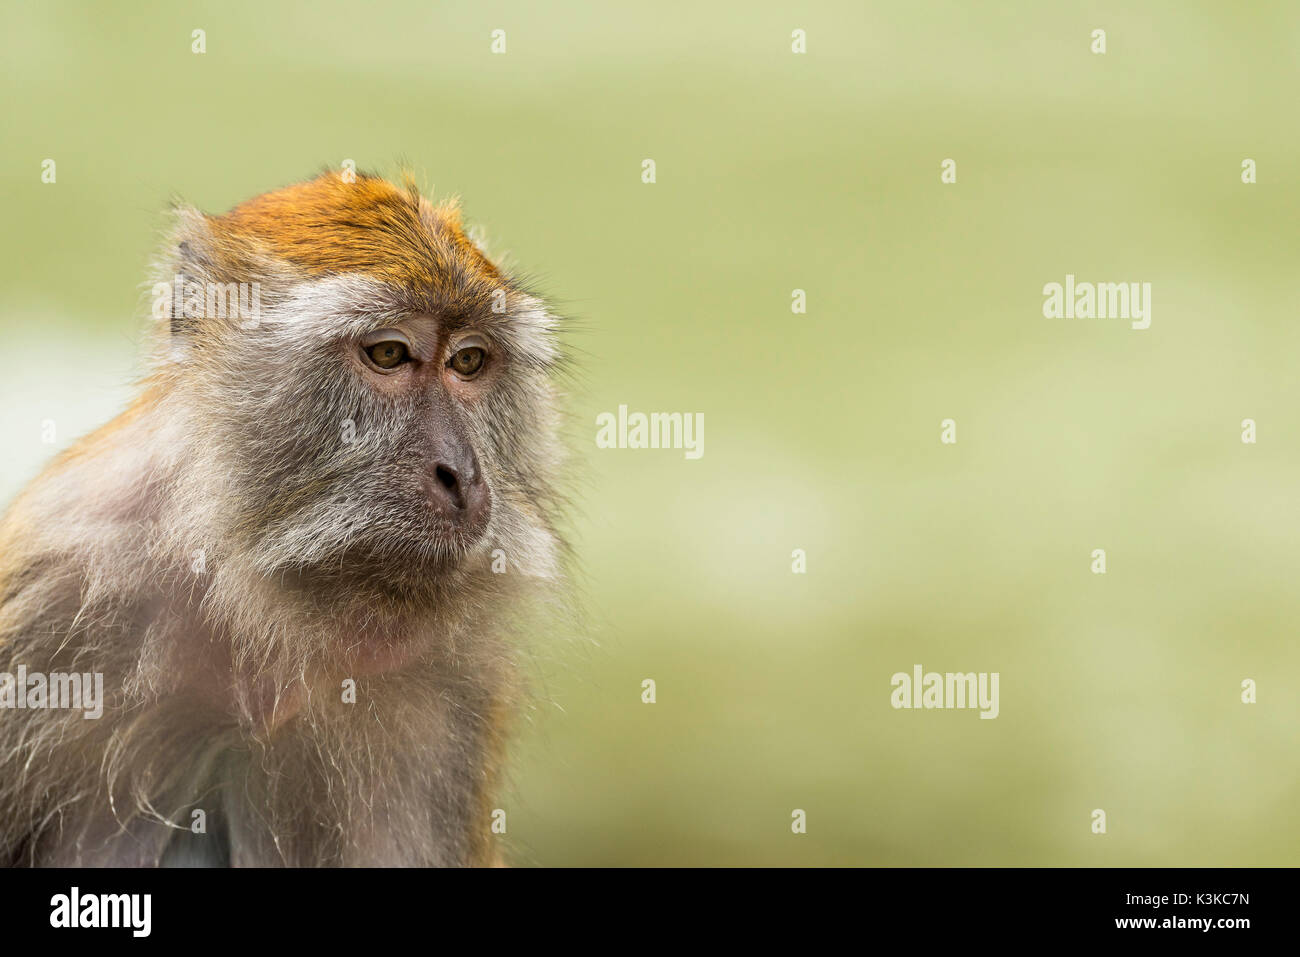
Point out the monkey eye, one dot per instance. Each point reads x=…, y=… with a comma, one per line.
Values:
x=388, y=354
x=466, y=362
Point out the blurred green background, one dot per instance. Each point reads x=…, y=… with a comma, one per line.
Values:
x=820, y=172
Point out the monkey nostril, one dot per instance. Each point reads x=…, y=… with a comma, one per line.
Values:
x=449, y=480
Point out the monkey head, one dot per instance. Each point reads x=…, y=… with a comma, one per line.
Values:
x=367, y=398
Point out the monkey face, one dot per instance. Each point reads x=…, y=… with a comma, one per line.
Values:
x=392, y=417
x=398, y=446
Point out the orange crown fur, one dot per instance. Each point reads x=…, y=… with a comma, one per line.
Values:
x=329, y=225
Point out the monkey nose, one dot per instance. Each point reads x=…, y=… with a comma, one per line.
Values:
x=458, y=490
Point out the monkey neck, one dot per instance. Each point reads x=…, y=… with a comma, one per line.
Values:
x=271, y=644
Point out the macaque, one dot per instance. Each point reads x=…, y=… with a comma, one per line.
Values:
x=305, y=559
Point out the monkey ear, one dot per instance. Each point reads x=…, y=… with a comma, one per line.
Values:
x=189, y=261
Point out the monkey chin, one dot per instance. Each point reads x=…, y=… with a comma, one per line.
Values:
x=419, y=573
x=405, y=562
